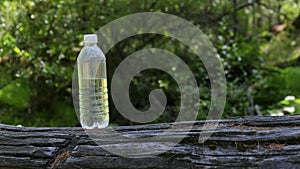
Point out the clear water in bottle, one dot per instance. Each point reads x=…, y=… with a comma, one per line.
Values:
x=92, y=80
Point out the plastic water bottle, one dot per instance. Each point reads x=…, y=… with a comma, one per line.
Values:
x=92, y=80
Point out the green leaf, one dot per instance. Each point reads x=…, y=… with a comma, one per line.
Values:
x=16, y=94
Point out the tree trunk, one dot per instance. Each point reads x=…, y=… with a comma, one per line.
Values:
x=248, y=142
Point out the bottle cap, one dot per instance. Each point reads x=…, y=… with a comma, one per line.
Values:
x=90, y=38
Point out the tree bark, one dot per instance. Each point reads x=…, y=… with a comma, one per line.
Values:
x=246, y=142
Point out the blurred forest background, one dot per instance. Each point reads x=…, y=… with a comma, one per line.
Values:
x=258, y=41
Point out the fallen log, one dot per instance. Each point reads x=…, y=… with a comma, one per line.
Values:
x=246, y=142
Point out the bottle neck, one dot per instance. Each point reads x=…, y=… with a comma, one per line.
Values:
x=90, y=44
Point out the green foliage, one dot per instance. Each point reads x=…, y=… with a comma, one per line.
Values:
x=290, y=105
x=41, y=40
x=283, y=48
x=278, y=85
x=292, y=80
x=16, y=93
x=272, y=85
x=242, y=64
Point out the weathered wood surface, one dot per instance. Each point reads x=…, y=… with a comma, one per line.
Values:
x=249, y=142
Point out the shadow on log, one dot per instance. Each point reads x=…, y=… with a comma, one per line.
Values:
x=248, y=142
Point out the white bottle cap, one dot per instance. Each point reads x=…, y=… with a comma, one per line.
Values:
x=90, y=38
